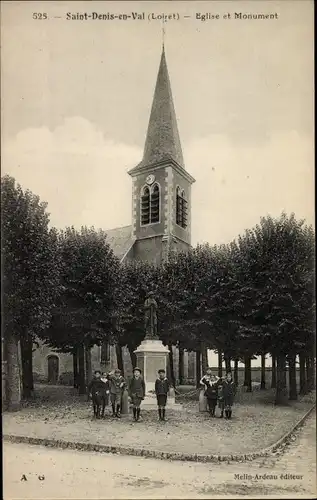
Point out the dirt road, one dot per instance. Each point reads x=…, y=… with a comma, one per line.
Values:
x=38, y=473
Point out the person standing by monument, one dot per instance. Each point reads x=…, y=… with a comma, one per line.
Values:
x=136, y=392
x=161, y=390
x=117, y=386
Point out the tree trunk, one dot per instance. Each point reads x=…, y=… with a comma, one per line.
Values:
x=302, y=375
x=26, y=344
x=88, y=365
x=281, y=393
x=311, y=373
x=13, y=385
x=262, y=372
x=292, y=377
x=198, y=368
x=236, y=372
x=81, y=369
x=171, y=364
x=247, y=373
x=3, y=373
x=75, y=368
x=273, y=380
x=227, y=363
x=181, y=366
x=245, y=381
x=307, y=370
x=132, y=357
x=284, y=384
x=219, y=364
x=119, y=358
x=204, y=357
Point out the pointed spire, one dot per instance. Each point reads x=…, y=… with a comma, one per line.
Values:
x=162, y=138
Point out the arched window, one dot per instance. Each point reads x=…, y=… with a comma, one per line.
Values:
x=181, y=208
x=150, y=205
x=145, y=206
x=155, y=204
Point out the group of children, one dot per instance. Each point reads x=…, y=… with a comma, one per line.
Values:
x=219, y=391
x=113, y=384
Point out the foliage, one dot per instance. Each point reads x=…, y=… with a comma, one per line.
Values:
x=89, y=278
x=30, y=261
x=252, y=296
x=278, y=256
x=136, y=279
x=195, y=292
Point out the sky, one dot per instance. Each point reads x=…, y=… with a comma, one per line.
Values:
x=76, y=98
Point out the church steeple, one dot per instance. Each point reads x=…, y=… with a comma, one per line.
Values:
x=162, y=138
x=161, y=187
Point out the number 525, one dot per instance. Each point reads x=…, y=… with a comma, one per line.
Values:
x=39, y=15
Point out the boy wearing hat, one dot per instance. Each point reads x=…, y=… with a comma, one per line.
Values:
x=117, y=385
x=161, y=390
x=97, y=392
x=136, y=392
x=229, y=391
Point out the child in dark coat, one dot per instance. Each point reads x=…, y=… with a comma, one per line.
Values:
x=117, y=385
x=211, y=390
x=229, y=391
x=221, y=404
x=161, y=390
x=97, y=391
x=136, y=392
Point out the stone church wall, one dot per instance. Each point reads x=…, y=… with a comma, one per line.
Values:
x=65, y=362
x=149, y=250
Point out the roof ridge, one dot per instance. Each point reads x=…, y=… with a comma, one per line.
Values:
x=119, y=227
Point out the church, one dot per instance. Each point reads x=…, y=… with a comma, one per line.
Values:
x=161, y=222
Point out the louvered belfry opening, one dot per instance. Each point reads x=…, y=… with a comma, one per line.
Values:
x=181, y=209
x=155, y=204
x=145, y=206
x=150, y=205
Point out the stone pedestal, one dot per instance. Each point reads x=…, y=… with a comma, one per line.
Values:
x=125, y=403
x=152, y=356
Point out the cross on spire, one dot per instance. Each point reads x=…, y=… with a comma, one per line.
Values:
x=163, y=32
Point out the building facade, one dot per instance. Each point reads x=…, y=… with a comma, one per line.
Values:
x=161, y=222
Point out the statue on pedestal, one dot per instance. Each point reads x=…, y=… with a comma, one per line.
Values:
x=150, y=316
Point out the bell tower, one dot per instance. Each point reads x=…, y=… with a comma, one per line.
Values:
x=161, y=187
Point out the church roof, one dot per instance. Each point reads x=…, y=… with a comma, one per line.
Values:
x=120, y=240
x=162, y=138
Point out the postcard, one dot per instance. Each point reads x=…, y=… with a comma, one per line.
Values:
x=157, y=215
